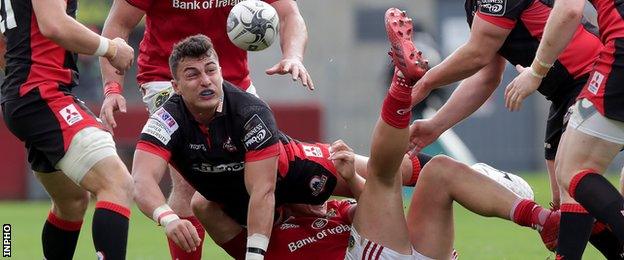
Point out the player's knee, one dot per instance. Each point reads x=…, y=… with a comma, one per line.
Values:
x=442, y=168
x=74, y=205
x=201, y=206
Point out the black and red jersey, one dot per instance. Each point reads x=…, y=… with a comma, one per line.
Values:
x=32, y=60
x=610, y=19
x=212, y=157
x=526, y=19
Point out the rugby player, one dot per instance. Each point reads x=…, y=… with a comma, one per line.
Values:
x=595, y=132
x=69, y=151
x=223, y=141
x=167, y=23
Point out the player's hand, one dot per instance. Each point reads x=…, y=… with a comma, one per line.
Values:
x=422, y=133
x=123, y=57
x=520, y=88
x=295, y=67
x=343, y=158
x=112, y=103
x=184, y=234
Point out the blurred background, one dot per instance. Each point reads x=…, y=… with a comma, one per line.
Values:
x=347, y=58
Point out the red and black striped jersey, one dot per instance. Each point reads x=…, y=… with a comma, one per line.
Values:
x=526, y=20
x=32, y=60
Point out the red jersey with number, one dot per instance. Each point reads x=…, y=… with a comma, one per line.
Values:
x=169, y=21
x=312, y=237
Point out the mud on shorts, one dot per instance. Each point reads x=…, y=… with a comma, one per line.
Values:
x=59, y=131
x=155, y=93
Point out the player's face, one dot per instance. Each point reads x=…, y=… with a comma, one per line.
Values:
x=199, y=82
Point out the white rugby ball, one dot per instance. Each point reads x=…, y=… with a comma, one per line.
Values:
x=252, y=25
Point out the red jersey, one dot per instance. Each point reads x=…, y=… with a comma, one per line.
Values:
x=167, y=22
x=610, y=21
x=312, y=237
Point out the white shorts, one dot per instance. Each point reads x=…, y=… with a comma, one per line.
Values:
x=588, y=120
x=362, y=248
x=89, y=146
x=155, y=93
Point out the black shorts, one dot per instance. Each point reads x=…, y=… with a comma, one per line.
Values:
x=310, y=179
x=46, y=119
x=558, y=116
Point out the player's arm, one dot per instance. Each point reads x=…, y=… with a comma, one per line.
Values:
x=469, y=95
x=293, y=38
x=62, y=29
x=483, y=44
x=562, y=23
x=148, y=167
x=260, y=179
x=343, y=158
x=121, y=20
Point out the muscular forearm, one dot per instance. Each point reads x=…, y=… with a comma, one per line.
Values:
x=560, y=28
x=356, y=185
x=108, y=71
x=261, y=213
x=147, y=195
x=462, y=63
x=294, y=36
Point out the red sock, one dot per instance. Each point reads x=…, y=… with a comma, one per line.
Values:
x=178, y=253
x=416, y=167
x=236, y=247
x=527, y=213
x=397, y=106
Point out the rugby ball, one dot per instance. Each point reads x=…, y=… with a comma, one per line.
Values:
x=252, y=25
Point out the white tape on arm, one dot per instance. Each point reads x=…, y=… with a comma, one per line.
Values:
x=164, y=215
x=103, y=47
x=257, y=245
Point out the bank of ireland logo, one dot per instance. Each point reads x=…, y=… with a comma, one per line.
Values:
x=319, y=223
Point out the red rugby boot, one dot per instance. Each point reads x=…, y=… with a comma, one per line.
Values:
x=404, y=53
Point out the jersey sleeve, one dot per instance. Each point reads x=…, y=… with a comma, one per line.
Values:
x=260, y=135
x=502, y=13
x=343, y=208
x=141, y=4
x=159, y=134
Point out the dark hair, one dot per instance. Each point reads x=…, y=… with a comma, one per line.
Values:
x=195, y=46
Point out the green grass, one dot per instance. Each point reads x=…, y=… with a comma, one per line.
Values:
x=476, y=237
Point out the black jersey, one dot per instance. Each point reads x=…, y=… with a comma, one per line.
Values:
x=212, y=157
x=526, y=19
x=32, y=60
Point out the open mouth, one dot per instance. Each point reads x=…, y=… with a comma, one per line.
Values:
x=207, y=93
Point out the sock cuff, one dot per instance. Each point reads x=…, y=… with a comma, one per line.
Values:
x=114, y=207
x=522, y=211
x=416, y=167
x=576, y=179
x=64, y=224
x=573, y=208
x=396, y=113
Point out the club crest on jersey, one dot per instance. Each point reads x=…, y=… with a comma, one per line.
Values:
x=256, y=133
x=229, y=146
x=161, y=97
x=312, y=151
x=319, y=223
x=351, y=242
x=595, y=83
x=493, y=7
x=317, y=184
x=71, y=114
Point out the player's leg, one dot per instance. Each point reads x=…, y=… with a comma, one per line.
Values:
x=223, y=230
x=444, y=180
x=62, y=227
x=580, y=160
x=180, y=201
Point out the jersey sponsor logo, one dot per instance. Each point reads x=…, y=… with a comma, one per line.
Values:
x=164, y=117
x=288, y=226
x=320, y=235
x=595, y=82
x=493, y=7
x=257, y=133
x=317, y=184
x=205, y=4
x=351, y=243
x=227, y=167
x=403, y=111
x=319, y=223
x=158, y=130
x=197, y=147
x=71, y=114
x=161, y=97
x=312, y=151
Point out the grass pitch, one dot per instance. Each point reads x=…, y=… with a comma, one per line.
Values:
x=476, y=237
